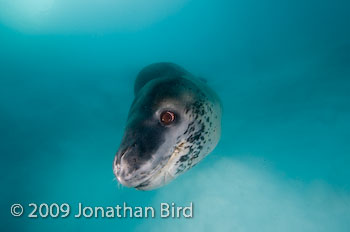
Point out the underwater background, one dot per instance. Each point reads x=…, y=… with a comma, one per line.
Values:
x=281, y=69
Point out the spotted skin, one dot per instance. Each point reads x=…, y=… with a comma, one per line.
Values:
x=151, y=154
x=196, y=142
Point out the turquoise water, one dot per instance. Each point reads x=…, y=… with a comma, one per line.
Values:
x=281, y=68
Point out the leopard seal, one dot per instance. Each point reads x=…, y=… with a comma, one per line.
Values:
x=173, y=123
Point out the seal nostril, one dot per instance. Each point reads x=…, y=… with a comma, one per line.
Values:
x=123, y=152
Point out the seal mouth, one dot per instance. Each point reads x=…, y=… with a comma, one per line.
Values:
x=132, y=179
x=162, y=172
x=158, y=176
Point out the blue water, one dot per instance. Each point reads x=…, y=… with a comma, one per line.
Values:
x=281, y=68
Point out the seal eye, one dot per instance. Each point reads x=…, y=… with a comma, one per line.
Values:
x=167, y=117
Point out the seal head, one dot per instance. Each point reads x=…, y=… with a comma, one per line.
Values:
x=174, y=122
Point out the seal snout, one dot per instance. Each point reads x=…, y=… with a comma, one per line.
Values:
x=127, y=165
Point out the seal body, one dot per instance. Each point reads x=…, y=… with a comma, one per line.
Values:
x=173, y=123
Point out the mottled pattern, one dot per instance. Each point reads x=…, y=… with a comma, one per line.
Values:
x=197, y=141
x=199, y=138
